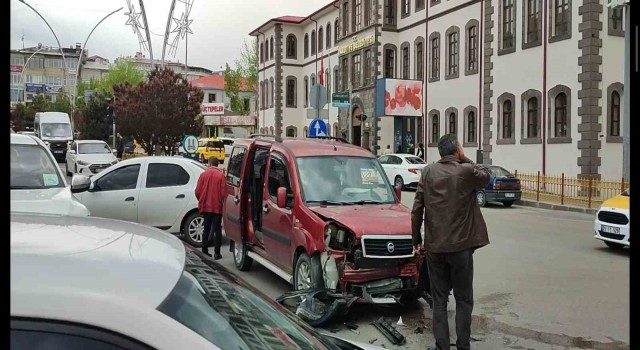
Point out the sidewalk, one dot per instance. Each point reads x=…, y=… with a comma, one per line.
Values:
x=554, y=206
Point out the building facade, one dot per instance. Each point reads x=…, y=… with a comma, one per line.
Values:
x=223, y=120
x=94, y=68
x=144, y=64
x=531, y=85
x=44, y=72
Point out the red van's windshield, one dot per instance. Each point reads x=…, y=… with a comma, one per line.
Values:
x=343, y=180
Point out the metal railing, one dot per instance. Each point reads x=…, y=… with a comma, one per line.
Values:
x=566, y=190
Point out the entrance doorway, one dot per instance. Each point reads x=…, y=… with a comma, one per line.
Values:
x=356, y=130
x=404, y=135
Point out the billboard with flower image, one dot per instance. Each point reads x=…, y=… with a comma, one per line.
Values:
x=395, y=97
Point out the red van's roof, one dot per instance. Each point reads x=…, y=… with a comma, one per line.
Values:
x=308, y=147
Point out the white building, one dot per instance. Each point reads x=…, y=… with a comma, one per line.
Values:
x=94, y=68
x=535, y=88
x=227, y=121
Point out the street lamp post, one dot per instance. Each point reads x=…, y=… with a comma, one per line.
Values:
x=82, y=51
x=64, y=61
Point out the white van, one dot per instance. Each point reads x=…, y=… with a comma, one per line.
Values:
x=54, y=129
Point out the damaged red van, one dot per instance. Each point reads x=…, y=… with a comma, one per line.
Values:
x=321, y=214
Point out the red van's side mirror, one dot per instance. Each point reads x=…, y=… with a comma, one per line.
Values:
x=282, y=197
x=398, y=192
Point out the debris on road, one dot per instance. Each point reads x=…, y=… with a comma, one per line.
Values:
x=351, y=325
x=373, y=340
x=389, y=331
x=400, y=323
x=419, y=330
x=317, y=306
x=355, y=331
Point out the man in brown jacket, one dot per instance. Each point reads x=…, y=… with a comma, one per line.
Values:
x=454, y=229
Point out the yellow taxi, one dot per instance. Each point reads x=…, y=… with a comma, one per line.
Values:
x=210, y=147
x=612, y=221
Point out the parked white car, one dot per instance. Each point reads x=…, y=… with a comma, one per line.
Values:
x=89, y=157
x=404, y=170
x=92, y=283
x=228, y=146
x=37, y=183
x=155, y=191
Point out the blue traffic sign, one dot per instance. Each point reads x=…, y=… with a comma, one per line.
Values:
x=317, y=127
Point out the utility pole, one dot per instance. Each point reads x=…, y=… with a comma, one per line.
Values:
x=349, y=117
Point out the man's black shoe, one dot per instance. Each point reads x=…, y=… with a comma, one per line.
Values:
x=217, y=257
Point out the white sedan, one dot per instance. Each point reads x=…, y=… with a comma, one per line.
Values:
x=89, y=157
x=404, y=170
x=155, y=191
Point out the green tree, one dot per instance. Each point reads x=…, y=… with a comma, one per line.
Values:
x=82, y=87
x=121, y=72
x=232, y=81
x=247, y=64
x=97, y=122
x=40, y=104
x=22, y=117
x=159, y=111
x=61, y=104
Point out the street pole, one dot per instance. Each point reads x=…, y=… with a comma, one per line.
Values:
x=82, y=50
x=349, y=121
x=146, y=28
x=166, y=32
x=626, y=95
x=64, y=61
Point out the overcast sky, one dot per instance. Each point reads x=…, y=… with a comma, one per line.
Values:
x=219, y=26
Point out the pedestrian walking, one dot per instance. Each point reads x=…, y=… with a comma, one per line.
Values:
x=420, y=153
x=211, y=192
x=387, y=150
x=119, y=146
x=454, y=228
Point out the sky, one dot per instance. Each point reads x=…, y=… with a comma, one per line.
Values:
x=219, y=26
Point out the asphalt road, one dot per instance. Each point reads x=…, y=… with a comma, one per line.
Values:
x=544, y=282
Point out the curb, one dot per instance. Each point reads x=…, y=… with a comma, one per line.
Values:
x=544, y=205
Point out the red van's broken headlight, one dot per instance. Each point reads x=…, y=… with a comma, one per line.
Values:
x=337, y=237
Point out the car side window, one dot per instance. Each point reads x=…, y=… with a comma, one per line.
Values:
x=234, y=169
x=278, y=177
x=384, y=160
x=124, y=178
x=166, y=175
x=395, y=160
x=52, y=335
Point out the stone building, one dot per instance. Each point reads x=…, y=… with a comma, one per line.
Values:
x=532, y=85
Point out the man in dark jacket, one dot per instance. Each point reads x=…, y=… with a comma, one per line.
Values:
x=454, y=229
x=119, y=146
x=211, y=192
x=420, y=153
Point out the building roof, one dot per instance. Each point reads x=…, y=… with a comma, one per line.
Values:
x=291, y=19
x=216, y=82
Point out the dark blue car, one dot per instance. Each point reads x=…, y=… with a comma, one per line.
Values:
x=503, y=187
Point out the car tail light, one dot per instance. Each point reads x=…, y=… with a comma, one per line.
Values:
x=414, y=171
x=517, y=186
x=497, y=185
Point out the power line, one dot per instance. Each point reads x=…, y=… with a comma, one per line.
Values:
x=69, y=8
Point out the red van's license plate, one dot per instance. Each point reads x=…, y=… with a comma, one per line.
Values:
x=610, y=229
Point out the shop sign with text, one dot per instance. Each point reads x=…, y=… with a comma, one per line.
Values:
x=212, y=108
x=356, y=44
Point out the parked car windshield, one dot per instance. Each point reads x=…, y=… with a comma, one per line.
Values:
x=56, y=130
x=497, y=171
x=228, y=315
x=33, y=168
x=343, y=180
x=93, y=148
x=414, y=160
